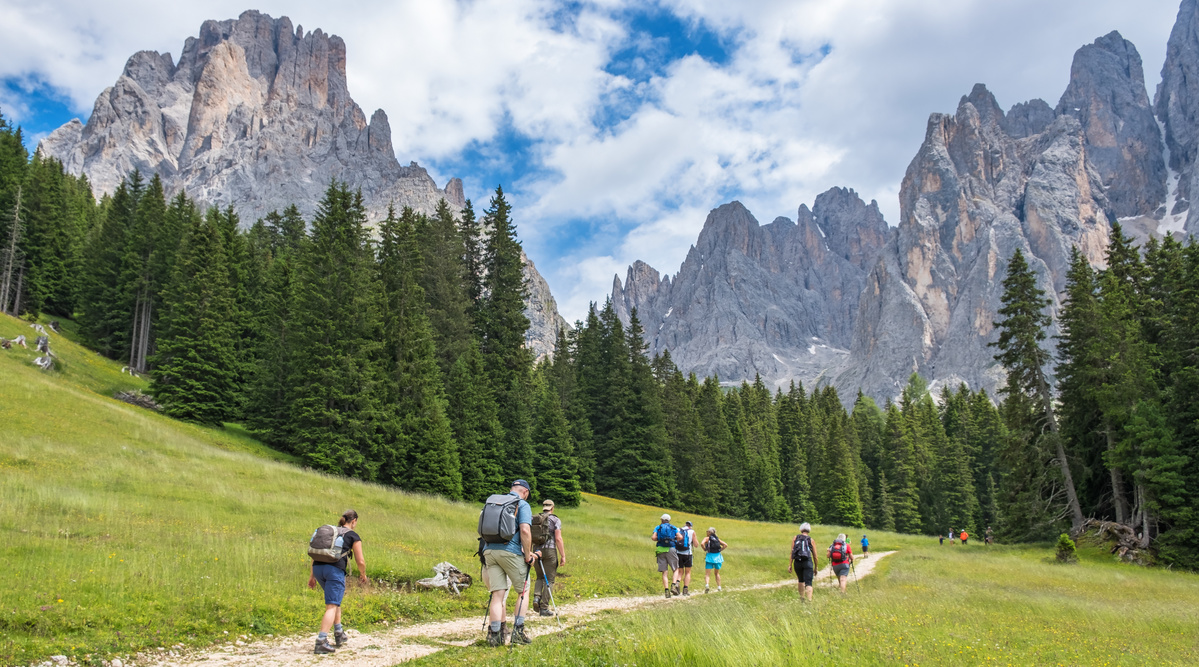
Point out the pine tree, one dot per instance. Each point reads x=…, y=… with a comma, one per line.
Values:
x=334, y=390
x=139, y=281
x=718, y=442
x=793, y=451
x=1021, y=332
x=194, y=376
x=414, y=417
x=105, y=319
x=899, y=468
x=842, y=505
x=762, y=454
x=472, y=256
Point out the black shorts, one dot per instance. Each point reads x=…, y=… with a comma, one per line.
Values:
x=803, y=571
x=685, y=560
x=865, y=548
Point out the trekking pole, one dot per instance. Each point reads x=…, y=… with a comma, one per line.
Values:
x=856, y=584
x=487, y=604
x=551, y=592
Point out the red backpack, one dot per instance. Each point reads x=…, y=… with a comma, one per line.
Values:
x=837, y=553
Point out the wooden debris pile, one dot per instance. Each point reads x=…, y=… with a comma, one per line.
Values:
x=1123, y=540
x=135, y=397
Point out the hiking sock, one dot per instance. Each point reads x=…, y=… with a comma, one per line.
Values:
x=495, y=626
x=519, y=622
x=685, y=591
x=322, y=636
x=337, y=627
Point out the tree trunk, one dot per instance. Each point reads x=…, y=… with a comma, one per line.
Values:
x=10, y=257
x=1118, y=499
x=16, y=301
x=135, y=333
x=1076, y=518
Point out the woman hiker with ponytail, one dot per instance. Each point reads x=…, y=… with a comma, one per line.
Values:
x=332, y=579
x=840, y=556
x=713, y=546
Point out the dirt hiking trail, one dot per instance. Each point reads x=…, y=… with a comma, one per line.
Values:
x=386, y=647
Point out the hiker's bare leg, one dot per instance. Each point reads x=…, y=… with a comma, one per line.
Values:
x=332, y=614
x=496, y=609
x=522, y=600
x=843, y=581
x=808, y=592
x=707, y=577
x=718, y=578
x=666, y=578
x=687, y=578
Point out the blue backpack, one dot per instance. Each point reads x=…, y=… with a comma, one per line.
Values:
x=666, y=534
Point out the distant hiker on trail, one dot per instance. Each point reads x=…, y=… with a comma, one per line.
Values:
x=547, y=537
x=713, y=546
x=840, y=556
x=685, y=555
x=666, y=539
x=965, y=536
x=951, y=542
x=987, y=539
x=330, y=548
x=505, y=525
x=865, y=547
x=942, y=540
x=803, y=560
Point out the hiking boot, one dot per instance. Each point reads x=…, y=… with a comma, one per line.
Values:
x=494, y=638
x=323, y=647
x=718, y=589
x=674, y=588
x=686, y=592
x=546, y=612
x=519, y=636
x=667, y=593
x=339, y=639
x=705, y=589
x=503, y=633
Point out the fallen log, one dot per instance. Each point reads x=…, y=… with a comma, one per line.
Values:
x=1121, y=539
x=448, y=578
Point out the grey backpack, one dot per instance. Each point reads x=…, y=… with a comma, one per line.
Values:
x=326, y=545
x=497, y=521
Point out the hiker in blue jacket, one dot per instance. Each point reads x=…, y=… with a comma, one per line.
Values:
x=865, y=547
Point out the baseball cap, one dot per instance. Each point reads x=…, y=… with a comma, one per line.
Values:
x=547, y=503
x=666, y=517
x=687, y=523
x=521, y=482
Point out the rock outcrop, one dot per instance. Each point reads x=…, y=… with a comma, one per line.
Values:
x=1177, y=106
x=256, y=114
x=972, y=196
x=777, y=300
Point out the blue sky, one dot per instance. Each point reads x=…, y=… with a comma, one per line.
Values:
x=617, y=125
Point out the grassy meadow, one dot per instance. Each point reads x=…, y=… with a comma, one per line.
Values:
x=926, y=605
x=126, y=530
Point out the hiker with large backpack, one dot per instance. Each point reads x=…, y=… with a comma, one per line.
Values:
x=840, y=556
x=666, y=540
x=330, y=548
x=547, y=539
x=803, y=560
x=505, y=534
x=714, y=547
x=685, y=555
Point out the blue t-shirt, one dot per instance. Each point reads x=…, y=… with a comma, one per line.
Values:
x=665, y=534
x=865, y=542
x=524, y=514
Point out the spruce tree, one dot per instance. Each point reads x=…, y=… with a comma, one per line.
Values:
x=443, y=279
x=793, y=451
x=761, y=430
x=334, y=393
x=104, y=319
x=1022, y=330
x=413, y=416
x=474, y=417
x=502, y=325
x=557, y=467
x=718, y=442
x=899, y=468
x=842, y=505
x=194, y=375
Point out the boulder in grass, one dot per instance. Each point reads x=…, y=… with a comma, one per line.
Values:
x=135, y=397
x=447, y=578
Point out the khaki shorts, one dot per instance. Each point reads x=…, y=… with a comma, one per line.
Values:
x=505, y=569
x=668, y=559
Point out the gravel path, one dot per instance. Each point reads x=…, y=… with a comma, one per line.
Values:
x=387, y=647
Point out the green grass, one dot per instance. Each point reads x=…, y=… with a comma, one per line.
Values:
x=125, y=529
x=924, y=605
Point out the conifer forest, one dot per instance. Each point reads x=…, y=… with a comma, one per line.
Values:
x=395, y=353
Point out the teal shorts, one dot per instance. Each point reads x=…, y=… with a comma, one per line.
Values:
x=712, y=566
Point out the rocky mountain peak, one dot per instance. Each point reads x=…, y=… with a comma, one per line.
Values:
x=256, y=114
x=1107, y=95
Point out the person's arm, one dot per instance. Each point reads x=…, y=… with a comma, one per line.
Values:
x=723, y=545
x=561, y=546
x=361, y=561
x=790, y=562
x=311, y=576
x=526, y=542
